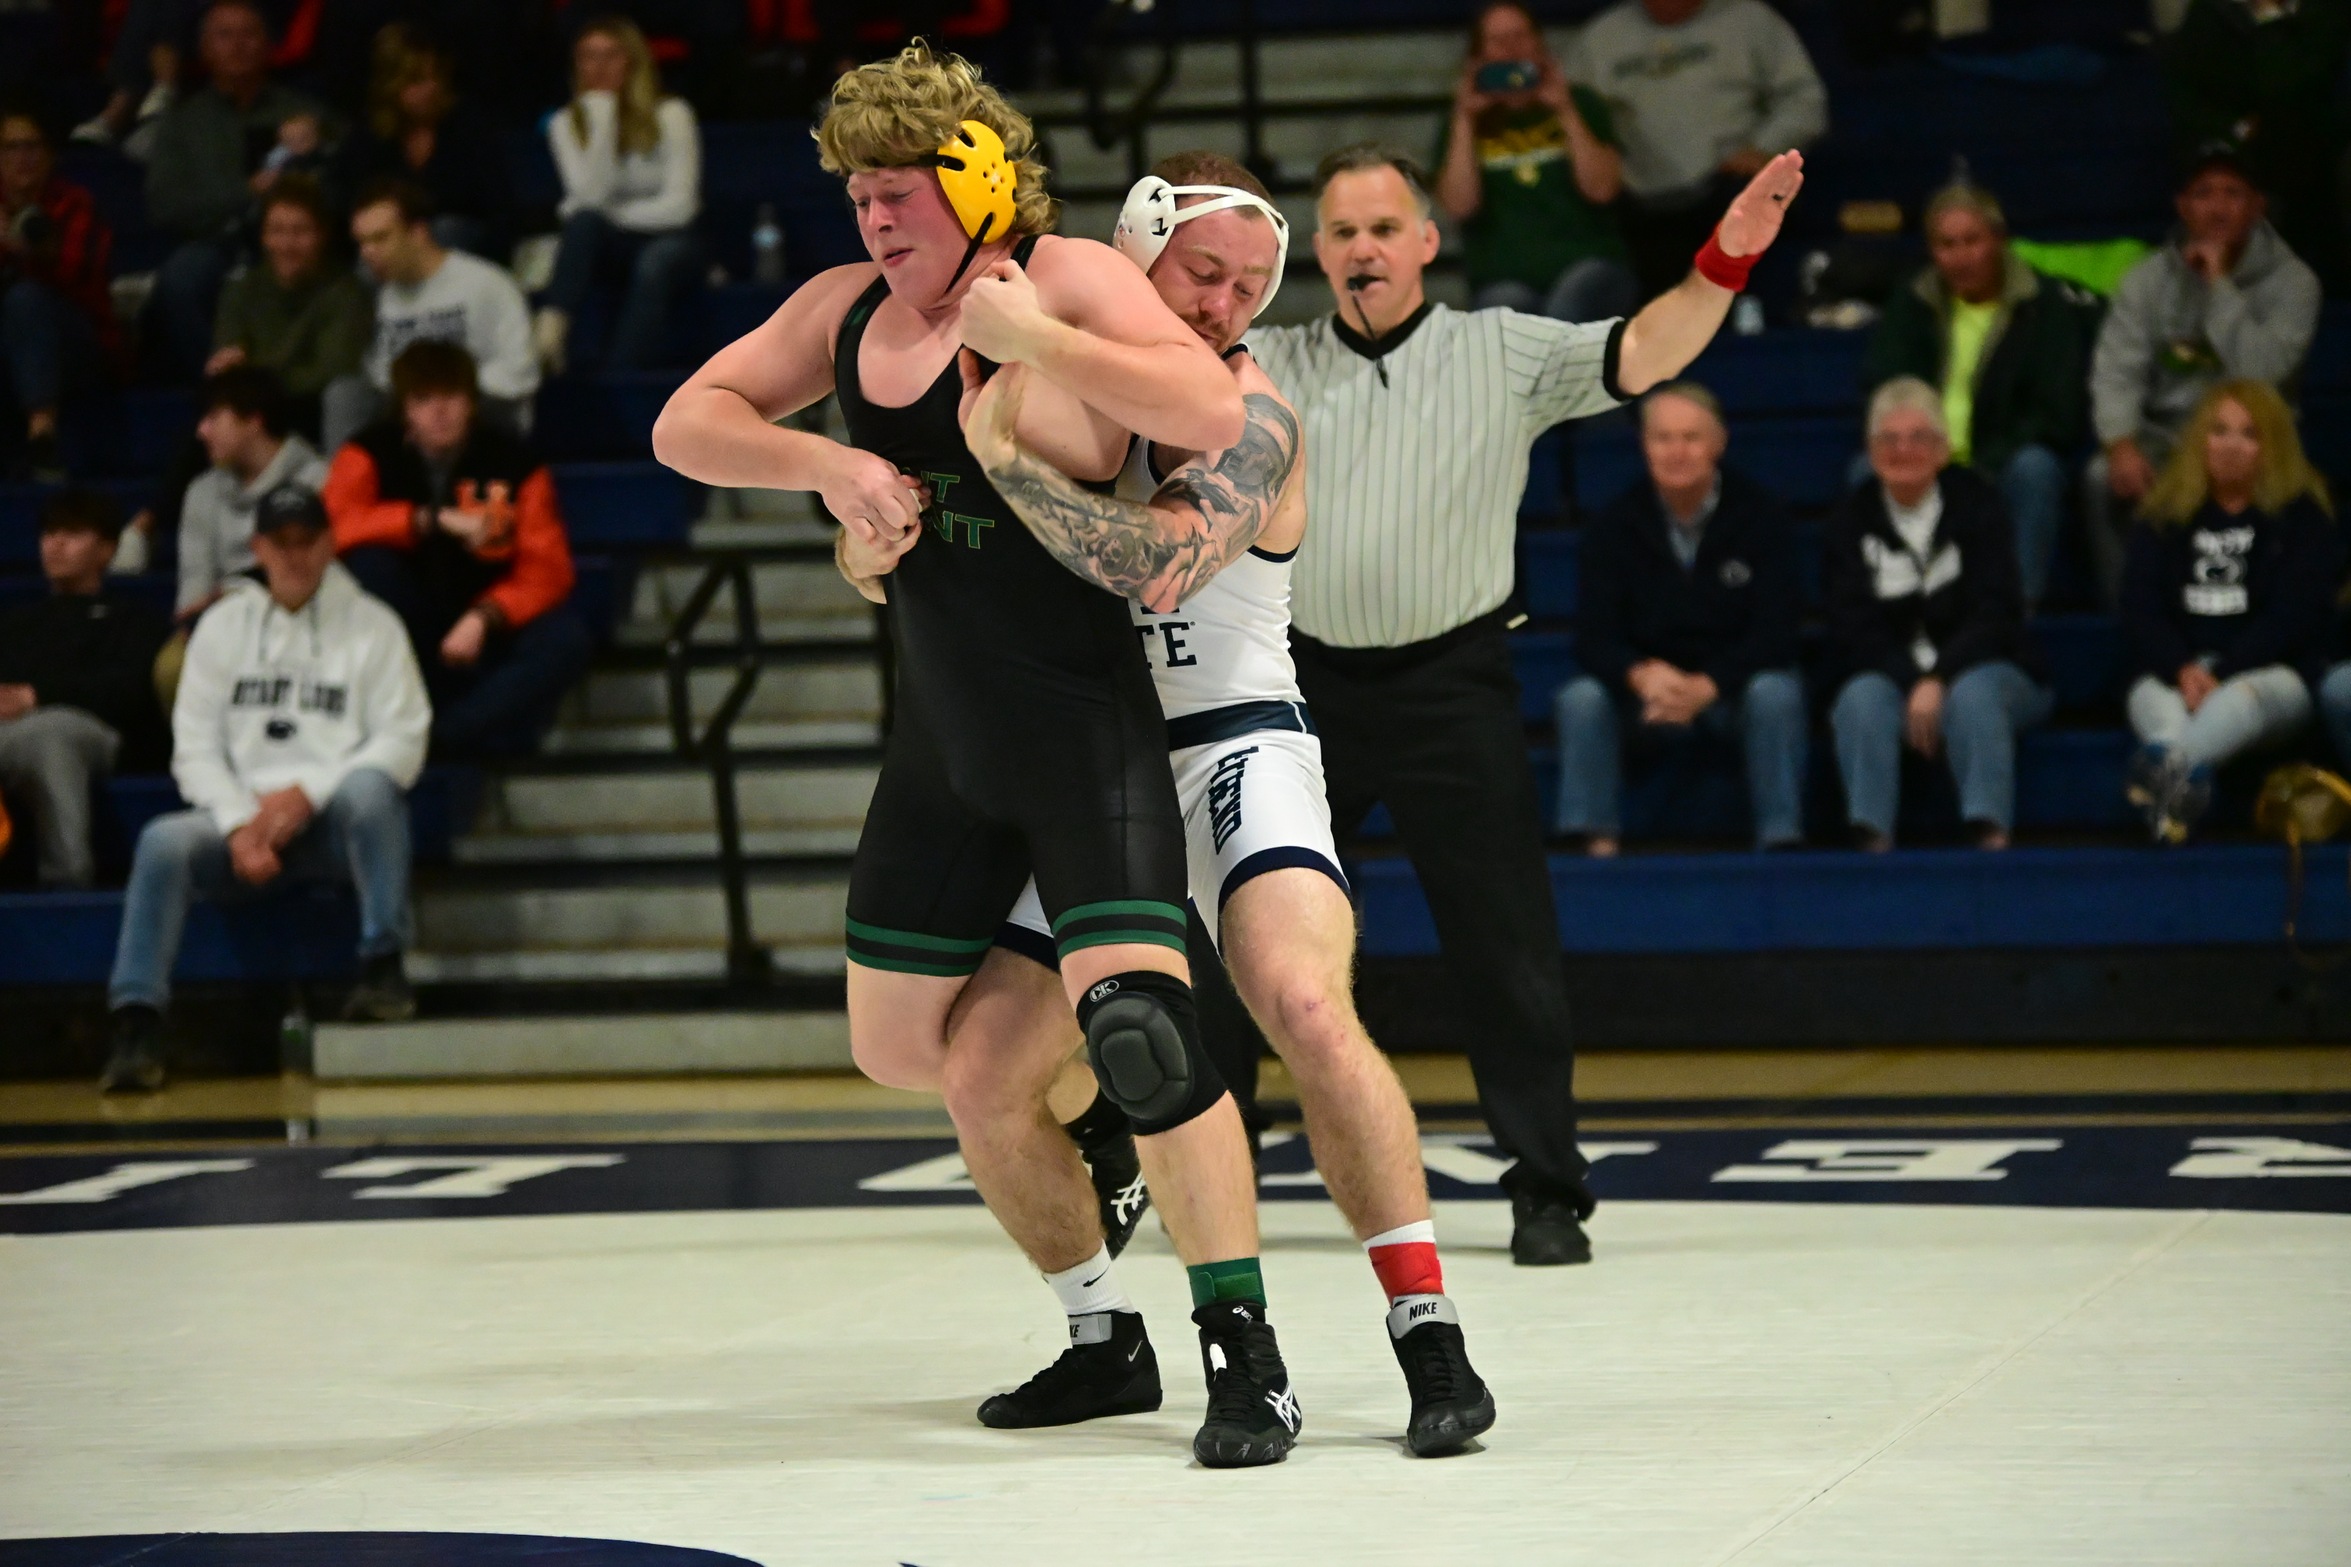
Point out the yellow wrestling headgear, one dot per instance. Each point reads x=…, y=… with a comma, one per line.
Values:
x=978, y=180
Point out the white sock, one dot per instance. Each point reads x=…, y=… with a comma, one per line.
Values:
x=1420, y=1230
x=1090, y=1288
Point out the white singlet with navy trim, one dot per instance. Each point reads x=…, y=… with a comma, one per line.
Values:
x=1227, y=643
x=1253, y=797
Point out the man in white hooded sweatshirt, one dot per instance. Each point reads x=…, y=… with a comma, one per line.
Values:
x=299, y=728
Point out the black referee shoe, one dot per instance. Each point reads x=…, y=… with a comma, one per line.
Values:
x=1451, y=1404
x=1253, y=1417
x=1113, y=1372
x=1545, y=1232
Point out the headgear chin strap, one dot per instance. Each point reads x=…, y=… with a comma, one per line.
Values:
x=978, y=179
x=1149, y=219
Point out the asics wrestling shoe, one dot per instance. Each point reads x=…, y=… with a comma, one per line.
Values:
x=1117, y=1173
x=1253, y=1417
x=1451, y=1404
x=1108, y=1369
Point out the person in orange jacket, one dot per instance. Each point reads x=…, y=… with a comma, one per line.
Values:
x=453, y=522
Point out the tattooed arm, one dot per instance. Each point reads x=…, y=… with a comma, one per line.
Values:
x=1206, y=513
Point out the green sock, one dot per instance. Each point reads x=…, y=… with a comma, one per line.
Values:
x=1235, y=1280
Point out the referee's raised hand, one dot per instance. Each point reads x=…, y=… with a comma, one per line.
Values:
x=1754, y=218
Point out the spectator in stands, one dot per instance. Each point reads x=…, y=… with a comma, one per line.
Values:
x=217, y=151
x=432, y=293
x=300, y=726
x=74, y=694
x=300, y=314
x=1688, y=620
x=1531, y=173
x=2228, y=600
x=2224, y=298
x=56, y=316
x=2268, y=75
x=416, y=129
x=452, y=521
x=631, y=162
x=253, y=453
x=1926, y=617
x=143, y=70
x=1704, y=93
x=2007, y=348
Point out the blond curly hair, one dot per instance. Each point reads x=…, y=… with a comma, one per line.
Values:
x=895, y=113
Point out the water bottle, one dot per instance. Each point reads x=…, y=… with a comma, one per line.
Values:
x=295, y=1036
x=767, y=246
x=1747, y=316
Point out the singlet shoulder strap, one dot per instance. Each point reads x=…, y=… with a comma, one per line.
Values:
x=1025, y=249
x=847, y=341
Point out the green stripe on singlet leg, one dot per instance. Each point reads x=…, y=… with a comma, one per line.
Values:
x=1143, y=906
x=1120, y=938
x=909, y=938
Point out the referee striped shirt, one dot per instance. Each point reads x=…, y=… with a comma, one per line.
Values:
x=1412, y=487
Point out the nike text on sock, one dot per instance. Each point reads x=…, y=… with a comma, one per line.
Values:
x=1239, y=1279
x=1405, y=1258
x=1414, y=1310
x=1090, y=1287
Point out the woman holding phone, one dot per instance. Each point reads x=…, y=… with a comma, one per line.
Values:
x=1529, y=167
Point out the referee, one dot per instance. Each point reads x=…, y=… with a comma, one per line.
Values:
x=1418, y=419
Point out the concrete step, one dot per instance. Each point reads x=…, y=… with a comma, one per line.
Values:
x=654, y=739
x=623, y=848
x=663, y=919
x=796, y=601
x=457, y=1048
x=677, y=799
x=846, y=688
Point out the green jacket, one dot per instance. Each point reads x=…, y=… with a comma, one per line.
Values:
x=206, y=149
x=307, y=334
x=2031, y=386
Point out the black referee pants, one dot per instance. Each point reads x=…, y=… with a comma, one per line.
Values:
x=1432, y=730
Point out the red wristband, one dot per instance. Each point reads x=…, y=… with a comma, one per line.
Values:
x=1723, y=271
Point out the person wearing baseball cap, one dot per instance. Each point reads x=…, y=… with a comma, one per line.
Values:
x=2225, y=297
x=299, y=728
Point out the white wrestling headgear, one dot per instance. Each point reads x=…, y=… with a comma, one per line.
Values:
x=1150, y=216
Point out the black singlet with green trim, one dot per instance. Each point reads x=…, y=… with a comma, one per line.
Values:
x=1027, y=732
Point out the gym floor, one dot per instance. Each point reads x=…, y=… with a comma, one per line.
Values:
x=1851, y=1306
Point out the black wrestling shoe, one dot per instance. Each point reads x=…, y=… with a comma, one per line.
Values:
x=1117, y=1173
x=1108, y=1369
x=1451, y=1404
x=1253, y=1417
x=134, y=1057
x=382, y=994
x=1545, y=1232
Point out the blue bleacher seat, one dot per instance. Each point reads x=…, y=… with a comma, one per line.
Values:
x=623, y=505
x=155, y=420
x=2086, y=659
x=2047, y=899
x=601, y=592
x=1544, y=661
x=67, y=938
x=1784, y=372
x=603, y=417
x=440, y=807
x=1548, y=580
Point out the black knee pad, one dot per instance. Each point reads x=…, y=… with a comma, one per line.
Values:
x=1143, y=1038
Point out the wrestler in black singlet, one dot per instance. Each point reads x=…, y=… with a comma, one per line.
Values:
x=1027, y=736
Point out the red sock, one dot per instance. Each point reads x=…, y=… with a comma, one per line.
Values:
x=1405, y=1258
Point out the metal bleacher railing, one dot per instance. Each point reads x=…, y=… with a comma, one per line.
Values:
x=711, y=746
